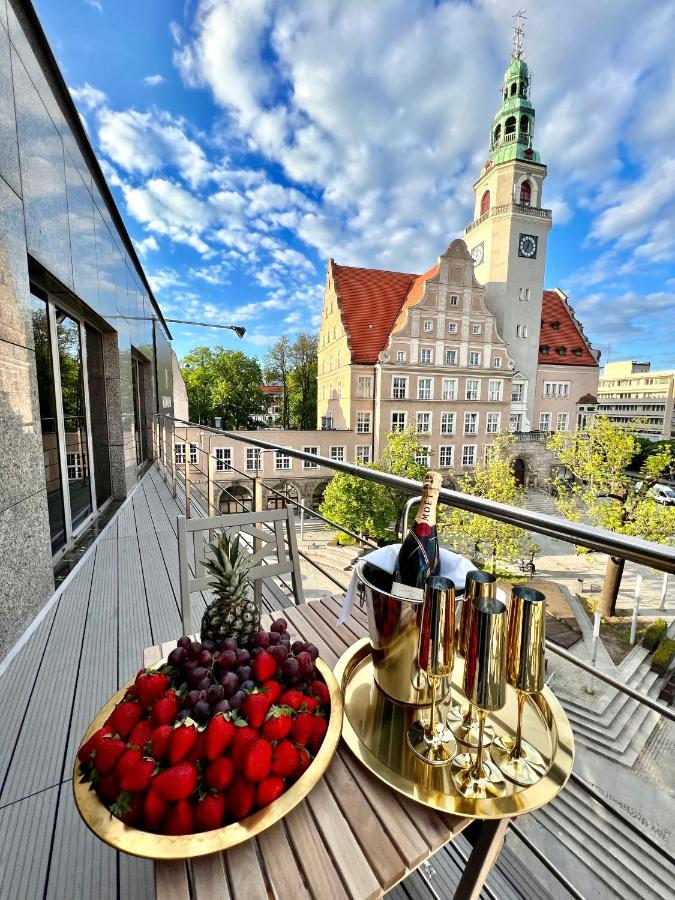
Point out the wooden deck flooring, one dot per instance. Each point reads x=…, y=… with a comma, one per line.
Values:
x=120, y=599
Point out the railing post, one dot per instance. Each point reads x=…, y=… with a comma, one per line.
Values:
x=164, y=473
x=210, y=505
x=664, y=588
x=636, y=609
x=173, y=460
x=597, y=618
x=257, y=543
x=187, y=475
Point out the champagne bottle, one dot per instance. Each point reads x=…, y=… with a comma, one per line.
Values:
x=419, y=556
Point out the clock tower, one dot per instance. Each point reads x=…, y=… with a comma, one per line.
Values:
x=507, y=238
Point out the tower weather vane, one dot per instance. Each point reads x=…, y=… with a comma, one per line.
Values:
x=519, y=35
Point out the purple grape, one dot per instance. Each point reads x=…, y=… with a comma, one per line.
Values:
x=243, y=673
x=262, y=639
x=227, y=659
x=291, y=668
x=189, y=665
x=229, y=644
x=279, y=625
x=274, y=638
x=313, y=651
x=243, y=656
x=195, y=649
x=201, y=711
x=209, y=645
x=184, y=642
x=298, y=647
x=222, y=706
x=191, y=698
x=177, y=656
x=257, y=651
x=279, y=653
x=302, y=686
x=182, y=714
x=215, y=693
x=305, y=662
x=237, y=699
x=286, y=639
x=247, y=685
x=230, y=683
x=205, y=658
x=196, y=675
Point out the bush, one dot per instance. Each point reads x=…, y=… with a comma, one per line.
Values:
x=652, y=636
x=344, y=540
x=663, y=656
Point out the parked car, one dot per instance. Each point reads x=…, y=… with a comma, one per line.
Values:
x=663, y=494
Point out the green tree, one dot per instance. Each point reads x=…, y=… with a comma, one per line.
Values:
x=374, y=510
x=302, y=381
x=223, y=383
x=278, y=366
x=604, y=495
x=474, y=535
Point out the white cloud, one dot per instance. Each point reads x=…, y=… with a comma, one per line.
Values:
x=167, y=208
x=146, y=245
x=154, y=80
x=95, y=4
x=163, y=279
x=88, y=97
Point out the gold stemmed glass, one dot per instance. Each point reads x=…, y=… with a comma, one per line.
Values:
x=463, y=723
x=517, y=759
x=485, y=688
x=432, y=741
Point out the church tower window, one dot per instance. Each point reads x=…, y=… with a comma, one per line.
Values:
x=485, y=203
x=510, y=126
x=525, y=193
x=524, y=124
x=514, y=88
x=498, y=134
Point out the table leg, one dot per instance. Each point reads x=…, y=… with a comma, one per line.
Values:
x=487, y=847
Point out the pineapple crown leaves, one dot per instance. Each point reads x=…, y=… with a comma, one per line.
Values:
x=228, y=559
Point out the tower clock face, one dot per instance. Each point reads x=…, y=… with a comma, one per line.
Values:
x=527, y=246
x=477, y=253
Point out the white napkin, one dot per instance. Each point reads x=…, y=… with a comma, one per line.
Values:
x=453, y=566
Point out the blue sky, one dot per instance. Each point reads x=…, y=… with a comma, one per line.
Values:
x=246, y=142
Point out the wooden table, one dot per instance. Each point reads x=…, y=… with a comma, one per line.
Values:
x=352, y=836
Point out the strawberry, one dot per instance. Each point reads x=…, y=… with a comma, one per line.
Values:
x=240, y=798
x=319, y=729
x=161, y=741
x=139, y=776
x=108, y=752
x=127, y=807
x=165, y=710
x=178, y=782
x=242, y=738
x=86, y=752
x=285, y=759
x=127, y=761
x=320, y=690
x=264, y=667
x=210, y=812
x=258, y=760
x=150, y=686
x=108, y=788
x=219, y=734
x=278, y=723
x=309, y=704
x=182, y=740
x=180, y=819
x=154, y=809
x=304, y=761
x=273, y=690
x=197, y=752
x=219, y=774
x=141, y=734
x=255, y=708
x=301, y=730
x=268, y=790
x=123, y=718
x=292, y=698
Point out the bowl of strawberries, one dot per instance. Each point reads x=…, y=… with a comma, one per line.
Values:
x=209, y=747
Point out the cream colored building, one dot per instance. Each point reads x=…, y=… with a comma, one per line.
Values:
x=630, y=391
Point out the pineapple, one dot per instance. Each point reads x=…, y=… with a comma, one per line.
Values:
x=234, y=612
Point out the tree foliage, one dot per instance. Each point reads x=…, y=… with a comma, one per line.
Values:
x=372, y=509
x=478, y=536
x=294, y=366
x=277, y=368
x=223, y=383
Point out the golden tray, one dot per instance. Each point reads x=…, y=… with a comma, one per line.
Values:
x=149, y=845
x=375, y=727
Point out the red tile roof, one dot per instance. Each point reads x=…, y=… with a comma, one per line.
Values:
x=560, y=330
x=271, y=388
x=370, y=300
x=415, y=294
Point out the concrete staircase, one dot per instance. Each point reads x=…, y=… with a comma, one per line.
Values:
x=538, y=501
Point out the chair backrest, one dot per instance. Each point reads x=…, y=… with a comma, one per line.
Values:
x=194, y=536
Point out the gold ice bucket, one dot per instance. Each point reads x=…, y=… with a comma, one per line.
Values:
x=394, y=626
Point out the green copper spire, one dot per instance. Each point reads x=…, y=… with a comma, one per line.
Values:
x=513, y=126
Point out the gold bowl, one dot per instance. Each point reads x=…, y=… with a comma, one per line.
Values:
x=149, y=845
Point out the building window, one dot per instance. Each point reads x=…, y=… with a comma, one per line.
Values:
x=475, y=328
x=485, y=199
x=306, y=464
x=526, y=187
x=337, y=453
x=364, y=386
x=517, y=393
x=544, y=421
x=556, y=389
x=74, y=463
x=496, y=386
x=425, y=388
x=451, y=357
x=223, y=458
x=400, y=356
x=363, y=423
x=428, y=325
x=449, y=389
x=561, y=424
x=470, y=423
x=561, y=351
x=469, y=455
x=447, y=423
x=521, y=331
x=399, y=388
x=193, y=454
x=423, y=423
x=454, y=300
x=363, y=454
x=282, y=460
x=516, y=422
x=488, y=453
x=497, y=362
x=544, y=349
x=446, y=453
x=423, y=456
x=472, y=389
x=326, y=423
x=452, y=327
x=398, y=421
x=426, y=356
x=474, y=358
x=252, y=459
x=179, y=456
x=493, y=422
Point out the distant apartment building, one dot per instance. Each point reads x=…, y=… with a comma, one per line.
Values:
x=630, y=391
x=272, y=400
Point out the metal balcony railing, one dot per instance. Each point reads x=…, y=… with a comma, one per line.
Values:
x=168, y=431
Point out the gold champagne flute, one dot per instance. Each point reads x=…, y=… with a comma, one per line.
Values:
x=519, y=760
x=433, y=742
x=485, y=688
x=463, y=723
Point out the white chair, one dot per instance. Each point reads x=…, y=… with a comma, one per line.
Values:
x=194, y=536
